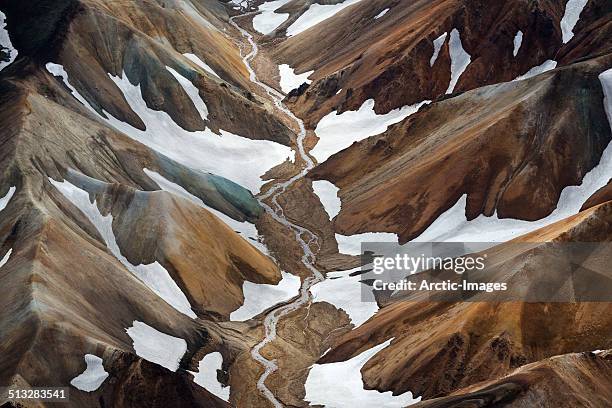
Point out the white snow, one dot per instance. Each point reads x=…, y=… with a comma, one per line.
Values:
x=540, y=69
x=6, y=257
x=573, y=8
x=382, y=13
x=268, y=21
x=192, y=92
x=155, y=276
x=198, y=61
x=339, y=385
x=351, y=244
x=347, y=293
x=245, y=229
x=518, y=41
x=157, y=347
x=337, y=132
x=437, y=43
x=453, y=225
x=5, y=41
x=206, y=376
x=459, y=59
x=5, y=200
x=260, y=297
x=315, y=14
x=94, y=375
x=236, y=158
x=289, y=80
x=328, y=194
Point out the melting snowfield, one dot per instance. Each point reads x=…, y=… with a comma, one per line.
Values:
x=5, y=43
x=336, y=131
x=540, y=69
x=573, y=8
x=339, y=385
x=206, y=376
x=328, y=194
x=5, y=200
x=157, y=347
x=351, y=244
x=3, y=203
x=518, y=41
x=437, y=44
x=268, y=21
x=347, y=293
x=260, y=297
x=459, y=59
x=6, y=257
x=196, y=60
x=289, y=80
x=315, y=14
x=94, y=375
x=382, y=13
x=155, y=276
x=236, y=158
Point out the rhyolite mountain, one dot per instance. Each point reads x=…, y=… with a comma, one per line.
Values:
x=148, y=180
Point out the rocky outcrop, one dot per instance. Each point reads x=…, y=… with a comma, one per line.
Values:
x=585, y=379
x=441, y=347
x=510, y=147
x=141, y=40
x=389, y=59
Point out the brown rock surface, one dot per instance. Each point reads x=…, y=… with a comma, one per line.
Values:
x=389, y=59
x=569, y=380
x=442, y=347
x=511, y=148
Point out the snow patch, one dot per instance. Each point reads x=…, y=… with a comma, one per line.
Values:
x=6, y=257
x=382, y=13
x=437, y=43
x=336, y=131
x=258, y=297
x=453, y=225
x=347, y=293
x=154, y=276
x=245, y=229
x=196, y=60
x=234, y=157
x=192, y=92
x=289, y=80
x=157, y=347
x=5, y=44
x=315, y=14
x=94, y=375
x=540, y=69
x=351, y=244
x=328, y=195
x=459, y=59
x=7, y=198
x=268, y=21
x=573, y=8
x=206, y=376
x=348, y=387
x=518, y=41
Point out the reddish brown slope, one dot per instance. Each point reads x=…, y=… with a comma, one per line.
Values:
x=442, y=347
x=570, y=380
x=389, y=59
x=511, y=148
